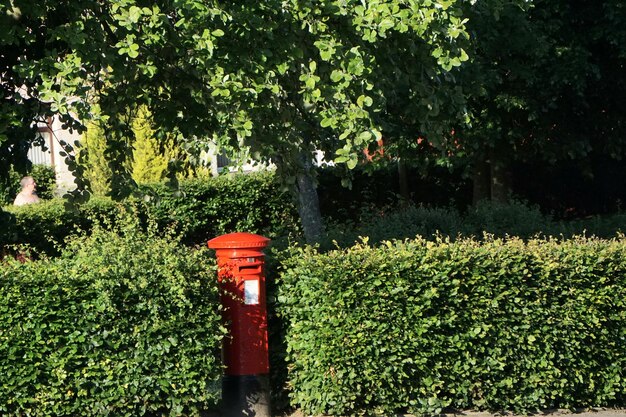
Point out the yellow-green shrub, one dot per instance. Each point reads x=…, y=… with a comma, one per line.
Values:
x=92, y=155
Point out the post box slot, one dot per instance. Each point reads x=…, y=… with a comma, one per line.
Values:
x=250, y=268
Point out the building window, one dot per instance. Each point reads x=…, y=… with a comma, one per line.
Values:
x=40, y=156
x=222, y=161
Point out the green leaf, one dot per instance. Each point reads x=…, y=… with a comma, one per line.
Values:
x=282, y=68
x=326, y=122
x=364, y=137
x=464, y=56
x=134, y=14
x=386, y=24
x=133, y=50
x=336, y=75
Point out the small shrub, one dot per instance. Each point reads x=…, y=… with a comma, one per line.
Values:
x=45, y=177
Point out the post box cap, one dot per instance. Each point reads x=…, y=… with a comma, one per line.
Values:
x=238, y=240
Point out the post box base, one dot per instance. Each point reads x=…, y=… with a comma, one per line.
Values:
x=245, y=396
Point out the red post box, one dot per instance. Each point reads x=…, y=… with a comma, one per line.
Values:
x=241, y=262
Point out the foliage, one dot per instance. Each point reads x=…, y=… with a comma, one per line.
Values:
x=541, y=83
x=150, y=159
x=44, y=177
x=204, y=208
x=147, y=163
x=92, y=156
x=379, y=224
x=280, y=78
x=514, y=218
x=419, y=326
x=44, y=227
x=602, y=226
x=199, y=210
x=313, y=61
x=125, y=324
x=536, y=80
x=21, y=106
x=46, y=181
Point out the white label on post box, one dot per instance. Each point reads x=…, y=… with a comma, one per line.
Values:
x=251, y=292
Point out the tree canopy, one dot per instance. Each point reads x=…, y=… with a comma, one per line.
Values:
x=283, y=78
x=543, y=84
x=479, y=84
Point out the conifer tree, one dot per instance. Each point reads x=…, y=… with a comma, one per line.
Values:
x=92, y=156
x=150, y=156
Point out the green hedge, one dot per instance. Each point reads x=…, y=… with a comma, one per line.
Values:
x=45, y=226
x=514, y=218
x=121, y=324
x=423, y=326
x=205, y=208
x=198, y=211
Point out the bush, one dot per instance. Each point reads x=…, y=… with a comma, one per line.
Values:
x=422, y=326
x=206, y=208
x=379, y=224
x=124, y=325
x=514, y=218
x=45, y=177
x=498, y=219
x=44, y=227
x=601, y=226
x=39, y=226
x=200, y=210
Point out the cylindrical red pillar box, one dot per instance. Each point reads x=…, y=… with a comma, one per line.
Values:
x=241, y=264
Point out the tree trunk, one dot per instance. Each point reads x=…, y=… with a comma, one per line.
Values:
x=481, y=179
x=403, y=182
x=308, y=203
x=500, y=180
